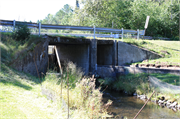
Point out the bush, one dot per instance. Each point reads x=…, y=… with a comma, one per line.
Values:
x=21, y=33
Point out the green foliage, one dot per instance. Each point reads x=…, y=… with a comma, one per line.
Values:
x=12, y=49
x=22, y=32
x=127, y=14
x=127, y=83
x=142, y=89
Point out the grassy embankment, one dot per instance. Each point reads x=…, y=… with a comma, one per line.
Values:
x=21, y=95
x=170, y=50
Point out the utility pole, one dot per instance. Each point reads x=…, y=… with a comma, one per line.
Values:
x=77, y=4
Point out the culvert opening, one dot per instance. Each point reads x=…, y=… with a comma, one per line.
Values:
x=105, y=54
x=76, y=53
x=52, y=59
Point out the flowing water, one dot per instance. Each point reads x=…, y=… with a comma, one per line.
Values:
x=124, y=106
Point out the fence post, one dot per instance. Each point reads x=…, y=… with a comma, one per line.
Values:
x=14, y=24
x=122, y=34
x=39, y=28
x=94, y=31
x=138, y=34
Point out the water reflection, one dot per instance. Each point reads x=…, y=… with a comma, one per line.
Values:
x=128, y=106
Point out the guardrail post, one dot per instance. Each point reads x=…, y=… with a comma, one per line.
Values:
x=138, y=34
x=122, y=34
x=14, y=24
x=94, y=31
x=39, y=28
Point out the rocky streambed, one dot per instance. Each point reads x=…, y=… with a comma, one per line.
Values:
x=163, y=102
x=125, y=106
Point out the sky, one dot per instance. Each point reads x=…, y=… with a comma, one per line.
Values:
x=31, y=10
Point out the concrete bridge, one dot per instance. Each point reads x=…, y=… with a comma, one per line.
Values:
x=92, y=55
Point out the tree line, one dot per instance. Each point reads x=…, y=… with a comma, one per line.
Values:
x=127, y=14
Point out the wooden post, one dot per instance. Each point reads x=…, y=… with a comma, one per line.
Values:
x=143, y=106
x=68, y=90
x=60, y=68
x=59, y=63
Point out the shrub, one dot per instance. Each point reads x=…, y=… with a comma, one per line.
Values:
x=21, y=33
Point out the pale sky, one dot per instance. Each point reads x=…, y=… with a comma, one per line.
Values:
x=31, y=9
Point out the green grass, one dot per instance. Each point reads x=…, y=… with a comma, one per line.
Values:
x=168, y=78
x=20, y=97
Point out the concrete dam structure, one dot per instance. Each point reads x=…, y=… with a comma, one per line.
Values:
x=105, y=57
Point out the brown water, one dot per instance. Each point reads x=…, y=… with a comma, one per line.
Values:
x=128, y=106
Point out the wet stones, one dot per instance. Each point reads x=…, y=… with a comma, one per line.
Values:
x=142, y=97
x=163, y=102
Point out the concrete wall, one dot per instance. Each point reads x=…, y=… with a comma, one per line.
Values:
x=77, y=53
x=110, y=71
x=135, y=70
x=25, y=59
x=93, y=55
x=128, y=54
x=86, y=53
x=116, y=71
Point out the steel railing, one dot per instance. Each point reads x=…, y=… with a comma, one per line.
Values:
x=40, y=26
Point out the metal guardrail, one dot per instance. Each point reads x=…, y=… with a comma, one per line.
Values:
x=66, y=27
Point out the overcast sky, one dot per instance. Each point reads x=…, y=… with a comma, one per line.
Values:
x=31, y=9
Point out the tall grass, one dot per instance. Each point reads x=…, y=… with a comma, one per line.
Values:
x=85, y=101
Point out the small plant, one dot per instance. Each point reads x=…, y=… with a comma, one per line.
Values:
x=21, y=33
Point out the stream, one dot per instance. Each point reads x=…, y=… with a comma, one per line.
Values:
x=126, y=107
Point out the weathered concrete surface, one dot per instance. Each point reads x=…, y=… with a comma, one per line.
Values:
x=25, y=60
x=77, y=53
x=135, y=70
x=116, y=71
x=105, y=42
x=93, y=54
x=110, y=71
x=67, y=40
x=129, y=53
